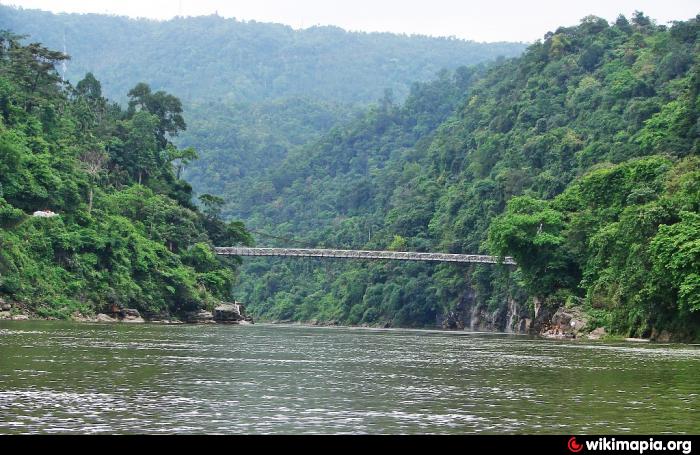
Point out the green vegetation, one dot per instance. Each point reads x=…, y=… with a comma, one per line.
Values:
x=579, y=158
x=252, y=91
x=226, y=60
x=622, y=240
x=125, y=231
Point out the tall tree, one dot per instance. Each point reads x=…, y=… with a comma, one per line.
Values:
x=167, y=108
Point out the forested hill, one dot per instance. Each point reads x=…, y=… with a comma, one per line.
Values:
x=92, y=213
x=580, y=158
x=252, y=91
x=213, y=58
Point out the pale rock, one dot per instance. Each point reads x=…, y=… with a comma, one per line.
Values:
x=104, y=318
x=597, y=334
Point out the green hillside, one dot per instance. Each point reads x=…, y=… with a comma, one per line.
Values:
x=252, y=90
x=579, y=158
x=120, y=227
x=213, y=58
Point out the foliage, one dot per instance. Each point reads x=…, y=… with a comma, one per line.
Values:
x=579, y=158
x=246, y=61
x=125, y=231
x=575, y=158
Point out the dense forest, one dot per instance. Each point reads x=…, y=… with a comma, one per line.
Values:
x=91, y=210
x=252, y=90
x=227, y=60
x=579, y=158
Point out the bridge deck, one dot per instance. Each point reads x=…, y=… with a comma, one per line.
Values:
x=358, y=254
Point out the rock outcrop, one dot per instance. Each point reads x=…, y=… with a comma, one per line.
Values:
x=104, y=318
x=228, y=312
x=231, y=313
x=131, y=315
x=565, y=323
x=199, y=317
x=513, y=317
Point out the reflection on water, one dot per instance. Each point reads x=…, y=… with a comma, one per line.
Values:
x=59, y=377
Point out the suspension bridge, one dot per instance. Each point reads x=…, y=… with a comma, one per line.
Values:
x=362, y=254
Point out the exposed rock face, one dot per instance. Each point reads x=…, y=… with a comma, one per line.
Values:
x=453, y=321
x=129, y=312
x=231, y=313
x=200, y=317
x=565, y=323
x=228, y=312
x=512, y=318
x=131, y=315
x=20, y=317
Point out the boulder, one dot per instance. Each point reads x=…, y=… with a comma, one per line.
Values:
x=663, y=337
x=565, y=323
x=453, y=321
x=104, y=318
x=130, y=315
x=228, y=312
x=5, y=306
x=5, y=315
x=20, y=317
x=126, y=312
x=597, y=334
x=199, y=317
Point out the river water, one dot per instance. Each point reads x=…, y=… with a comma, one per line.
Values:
x=61, y=377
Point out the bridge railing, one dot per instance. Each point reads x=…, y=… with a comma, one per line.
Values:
x=363, y=254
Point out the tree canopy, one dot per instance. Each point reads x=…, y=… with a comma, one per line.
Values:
x=125, y=230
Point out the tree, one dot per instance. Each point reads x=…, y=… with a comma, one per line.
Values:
x=140, y=146
x=398, y=244
x=212, y=206
x=534, y=234
x=93, y=162
x=181, y=157
x=167, y=108
x=32, y=67
x=640, y=20
x=89, y=87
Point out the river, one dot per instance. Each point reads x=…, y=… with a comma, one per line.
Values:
x=62, y=377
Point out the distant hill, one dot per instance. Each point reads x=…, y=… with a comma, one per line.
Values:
x=210, y=57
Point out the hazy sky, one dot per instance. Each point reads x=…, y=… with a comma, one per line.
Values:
x=487, y=20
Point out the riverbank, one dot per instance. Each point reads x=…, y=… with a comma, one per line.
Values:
x=564, y=324
x=598, y=335
x=224, y=313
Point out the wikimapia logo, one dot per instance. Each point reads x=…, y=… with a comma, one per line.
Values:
x=638, y=446
x=574, y=446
